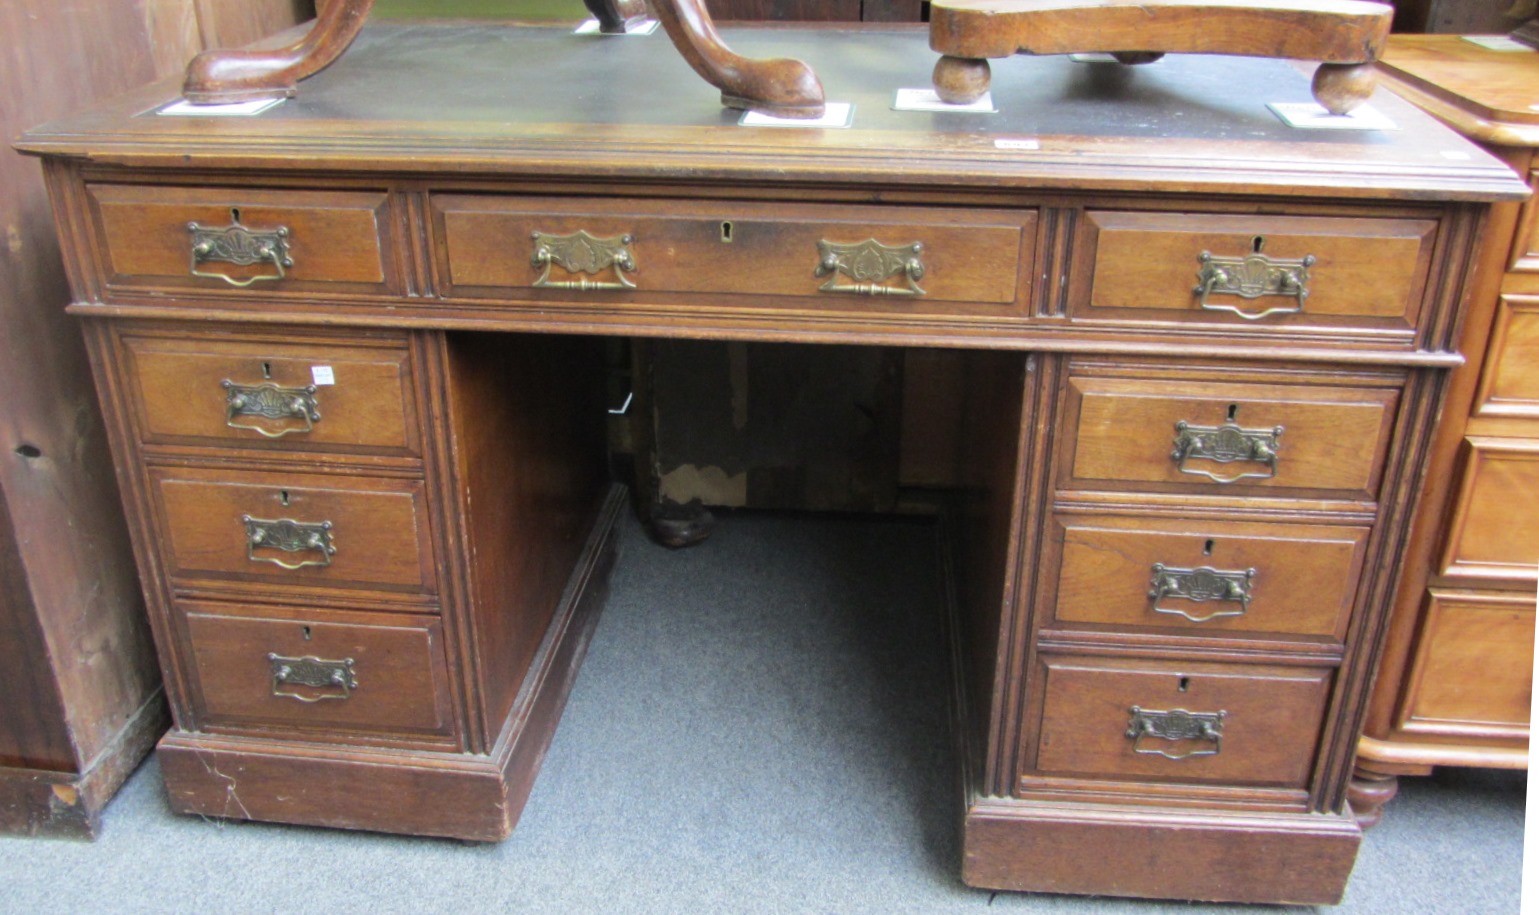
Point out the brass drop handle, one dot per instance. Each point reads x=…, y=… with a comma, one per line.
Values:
x=1226, y=444
x=248, y=405
x=1250, y=277
x=289, y=537
x=583, y=253
x=1203, y=584
x=1176, y=726
x=312, y=673
x=869, y=266
x=238, y=245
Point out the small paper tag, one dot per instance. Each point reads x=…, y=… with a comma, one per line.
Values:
x=1095, y=57
x=927, y=100
x=1455, y=154
x=184, y=108
x=835, y=114
x=1311, y=116
x=1496, y=42
x=591, y=27
x=1017, y=143
x=322, y=375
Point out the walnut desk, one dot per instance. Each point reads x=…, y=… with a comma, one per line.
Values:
x=346, y=348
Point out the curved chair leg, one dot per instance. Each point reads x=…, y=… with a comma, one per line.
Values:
x=778, y=86
x=614, y=15
x=221, y=76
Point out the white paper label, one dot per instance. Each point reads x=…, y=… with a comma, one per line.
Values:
x=322, y=375
x=1017, y=144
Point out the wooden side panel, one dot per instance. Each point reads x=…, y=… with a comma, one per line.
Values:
x=1509, y=383
x=71, y=565
x=1525, y=246
x=528, y=424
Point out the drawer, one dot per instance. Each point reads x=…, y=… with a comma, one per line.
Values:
x=1195, y=434
x=1493, y=532
x=1525, y=245
x=1199, y=578
x=293, y=530
x=1473, y=670
x=1148, y=268
x=316, y=671
x=771, y=255
x=1509, y=379
x=257, y=241
x=279, y=393
x=1243, y=725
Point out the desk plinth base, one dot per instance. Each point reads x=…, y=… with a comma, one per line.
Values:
x=454, y=795
x=1119, y=851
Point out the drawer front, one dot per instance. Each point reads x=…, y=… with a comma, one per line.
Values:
x=256, y=241
x=1293, y=272
x=293, y=530
x=818, y=257
x=1525, y=246
x=1473, y=670
x=1509, y=380
x=1245, y=725
x=1227, y=438
x=313, y=670
x=280, y=394
x=1199, y=578
x=1494, y=530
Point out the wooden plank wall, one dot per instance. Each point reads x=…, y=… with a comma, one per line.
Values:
x=76, y=663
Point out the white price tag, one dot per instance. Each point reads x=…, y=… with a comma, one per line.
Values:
x=322, y=375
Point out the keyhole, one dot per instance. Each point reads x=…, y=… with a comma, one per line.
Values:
x=283, y=497
x=726, y=233
x=306, y=630
x=1257, y=243
x=1207, y=548
x=1234, y=409
x=1183, y=684
x=267, y=370
x=29, y=451
x=235, y=214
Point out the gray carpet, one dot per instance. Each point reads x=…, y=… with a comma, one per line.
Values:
x=760, y=726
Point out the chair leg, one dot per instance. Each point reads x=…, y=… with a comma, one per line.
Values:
x=222, y=76
x=777, y=86
x=614, y=15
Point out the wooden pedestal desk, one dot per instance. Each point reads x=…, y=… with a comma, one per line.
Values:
x=1456, y=682
x=346, y=352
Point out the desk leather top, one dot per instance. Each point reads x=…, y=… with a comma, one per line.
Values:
x=527, y=100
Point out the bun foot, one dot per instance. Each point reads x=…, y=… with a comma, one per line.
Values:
x=1368, y=792
x=961, y=80
x=1342, y=87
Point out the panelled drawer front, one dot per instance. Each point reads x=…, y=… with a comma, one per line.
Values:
x=1494, y=530
x=969, y=261
x=1473, y=670
x=1199, y=578
x=1509, y=380
x=304, y=530
x=264, y=393
x=263, y=241
x=1266, y=736
x=315, y=670
x=1361, y=273
x=1221, y=437
x=1525, y=246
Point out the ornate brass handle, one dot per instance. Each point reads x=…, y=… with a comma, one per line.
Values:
x=1251, y=277
x=870, y=264
x=584, y=253
x=269, y=401
x=1202, y=585
x=289, y=537
x=313, y=673
x=1226, y=444
x=238, y=245
x=1176, y=725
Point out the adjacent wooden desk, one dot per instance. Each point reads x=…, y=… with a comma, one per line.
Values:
x=1456, y=684
x=345, y=352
